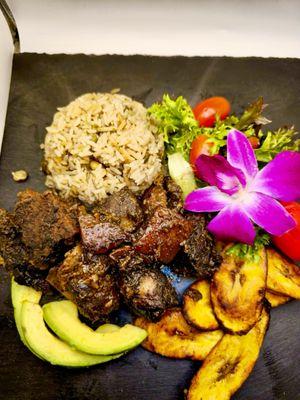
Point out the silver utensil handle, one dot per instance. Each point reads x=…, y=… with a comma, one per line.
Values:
x=11, y=24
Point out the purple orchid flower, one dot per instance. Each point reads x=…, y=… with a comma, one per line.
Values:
x=242, y=193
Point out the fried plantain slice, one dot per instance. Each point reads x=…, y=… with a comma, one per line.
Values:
x=197, y=308
x=238, y=290
x=283, y=275
x=173, y=337
x=229, y=364
x=276, y=299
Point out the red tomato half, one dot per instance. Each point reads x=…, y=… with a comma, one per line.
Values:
x=205, y=112
x=289, y=243
x=254, y=141
x=199, y=146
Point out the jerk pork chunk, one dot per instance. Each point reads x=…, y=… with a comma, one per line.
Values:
x=15, y=257
x=165, y=193
x=163, y=234
x=154, y=197
x=12, y=250
x=145, y=289
x=200, y=249
x=126, y=258
x=100, y=237
x=88, y=281
x=47, y=225
x=173, y=236
x=174, y=193
x=147, y=292
x=121, y=208
x=36, y=235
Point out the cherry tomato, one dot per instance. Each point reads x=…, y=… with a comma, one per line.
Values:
x=199, y=146
x=205, y=112
x=289, y=242
x=254, y=141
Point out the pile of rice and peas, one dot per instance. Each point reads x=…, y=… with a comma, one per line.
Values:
x=99, y=144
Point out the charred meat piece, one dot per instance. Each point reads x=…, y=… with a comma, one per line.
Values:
x=100, y=237
x=30, y=276
x=47, y=224
x=181, y=266
x=174, y=193
x=165, y=231
x=16, y=257
x=12, y=250
x=145, y=289
x=200, y=249
x=165, y=193
x=154, y=197
x=88, y=281
x=126, y=258
x=122, y=208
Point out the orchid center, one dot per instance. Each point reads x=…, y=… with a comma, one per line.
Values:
x=241, y=195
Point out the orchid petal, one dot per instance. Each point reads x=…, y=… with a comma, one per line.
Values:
x=232, y=224
x=240, y=154
x=217, y=171
x=280, y=178
x=208, y=199
x=268, y=213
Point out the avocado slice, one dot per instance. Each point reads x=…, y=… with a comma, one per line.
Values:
x=62, y=317
x=107, y=328
x=49, y=347
x=20, y=293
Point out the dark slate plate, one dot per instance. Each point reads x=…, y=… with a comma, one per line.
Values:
x=39, y=84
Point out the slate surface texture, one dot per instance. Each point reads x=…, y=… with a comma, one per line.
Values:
x=40, y=83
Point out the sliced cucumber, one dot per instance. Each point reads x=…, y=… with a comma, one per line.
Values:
x=182, y=173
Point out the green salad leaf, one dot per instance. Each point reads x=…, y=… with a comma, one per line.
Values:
x=273, y=142
x=176, y=121
x=242, y=250
x=252, y=115
x=217, y=135
x=247, y=122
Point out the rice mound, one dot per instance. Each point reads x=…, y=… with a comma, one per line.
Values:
x=100, y=143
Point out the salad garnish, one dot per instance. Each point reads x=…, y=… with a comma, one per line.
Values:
x=207, y=110
x=242, y=194
x=273, y=142
x=243, y=250
x=176, y=120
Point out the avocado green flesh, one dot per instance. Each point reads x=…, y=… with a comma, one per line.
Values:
x=62, y=318
x=20, y=293
x=107, y=328
x=49, y=347
x=35, y=341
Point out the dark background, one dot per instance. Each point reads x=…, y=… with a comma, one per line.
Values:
x=40, y=84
